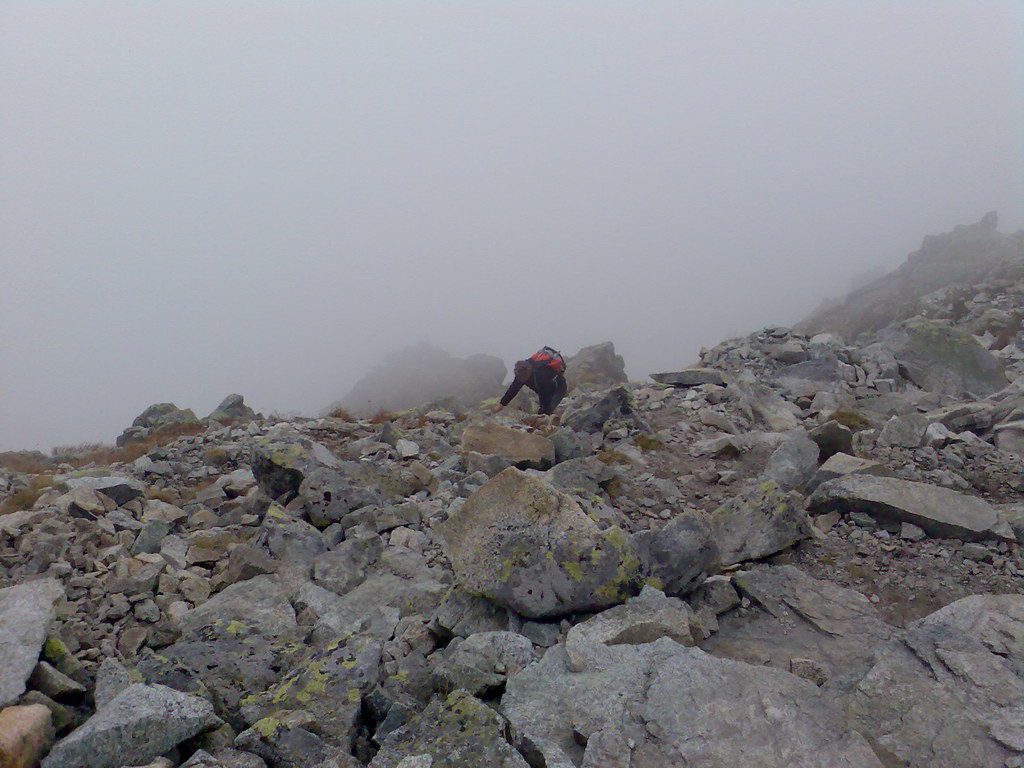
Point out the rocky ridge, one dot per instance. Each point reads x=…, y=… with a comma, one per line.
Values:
x=741, y=562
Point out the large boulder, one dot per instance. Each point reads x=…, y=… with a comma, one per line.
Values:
x=232, y=408
x=26, y=612
x=533, y=549
x=590, y=414
x=260, y=602
x=675, y=705
x=938, y=511
x=522, y=449
x=26, y=734
x=458, y=731
x=482, y=662
x=119, y=488
x=329, y=685
x=763, y=404
x=939, y=357
x=759, y=521
x=678, y=556
x=948, y=693
x=138, y=725
x=794, y=462
x=160, y=415
x=291, y=466
x=597, y=364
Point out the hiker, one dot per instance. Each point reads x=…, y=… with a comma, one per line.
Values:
x=544, y=373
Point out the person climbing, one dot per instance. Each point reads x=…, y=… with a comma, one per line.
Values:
x=544, y=373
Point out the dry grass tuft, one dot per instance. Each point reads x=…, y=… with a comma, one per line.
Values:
x=382, y=416
x=340, y=413
x=852, y=419
x=24, y=498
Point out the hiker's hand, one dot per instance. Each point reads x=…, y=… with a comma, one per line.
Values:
x=497, y=408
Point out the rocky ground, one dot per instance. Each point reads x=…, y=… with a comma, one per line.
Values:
x=803, y=551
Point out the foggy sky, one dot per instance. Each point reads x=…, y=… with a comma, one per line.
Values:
x=205, y=198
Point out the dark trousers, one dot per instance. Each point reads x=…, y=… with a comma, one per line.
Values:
x=551, y=395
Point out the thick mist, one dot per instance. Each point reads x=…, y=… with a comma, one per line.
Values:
x=198, y=199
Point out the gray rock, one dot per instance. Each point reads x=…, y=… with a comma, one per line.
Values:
x=948, y=694
x=762, y=403
x=328, y=685
x=462, y=614
x=679, y=706
x=374, y=607
x=120, y=488
x=345, y=566
x=482, y=662
x=641, y=619
x=458, y=731
x=911, y=532
x=407, y=449
x=570, y=444
x=288, y=539
x=52, y=682
x=799, y=617
x=794, y=462
x=962, y=417
x=806, y=379
x=161, y=415
x=530, y=548
x=286, y=741
x=679, y=555
x=938, y=511
x=582, y=475
x=598, y=365
x=690, y=377
x=841, y=465
x=232, y=408
x=149, y=538
x=905, y=431
x=941, y=358
x=590, y=415
x=224, y=758
x=261, y=603
x=26, y=612
x=1009, y=437
x=832, y=438
x=112, y=678
x=759, y=521
x=541, y=633
x=138, y=725
x=716, y=594
x=525, y=450
x=1014, y=515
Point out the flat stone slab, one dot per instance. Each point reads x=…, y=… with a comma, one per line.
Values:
x=139, y=724
x=938, y=511
x=523, y=449
x=842, y=464
x=690, y=377
x=26, y=612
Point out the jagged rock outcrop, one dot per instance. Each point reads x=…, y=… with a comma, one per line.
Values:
x=598, y=365
x=424, y=373
x=953, y=262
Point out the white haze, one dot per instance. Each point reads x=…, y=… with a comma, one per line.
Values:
x=199, y=198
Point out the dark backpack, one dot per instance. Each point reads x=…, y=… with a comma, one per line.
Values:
x=549, y=357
